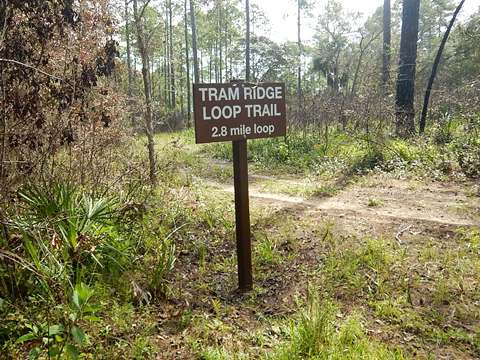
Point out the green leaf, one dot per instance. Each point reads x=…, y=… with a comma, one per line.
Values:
x=92, y=318
x=58, y=338
x=55, y=330
x=76, y=300
x=91, y=308
x=81, y=295
x=26, y=337
x=72, y=351
x=78, y=334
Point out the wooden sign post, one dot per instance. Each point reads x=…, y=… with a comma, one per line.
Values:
x=236, y=112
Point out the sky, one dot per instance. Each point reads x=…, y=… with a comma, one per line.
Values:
x=283, y=15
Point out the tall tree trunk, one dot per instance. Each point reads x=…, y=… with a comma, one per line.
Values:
x=202, y=74
x=357, y=69
x=172, y=61
x=426, y=99
x=187, y=61
x=299, y=68
x=152, y=77
x=147, y=85
x=129, y=59
x=165, y=71
x=210, y=65
x=247, y=41
x=387, y=36
x=405, y=112
x=220, y=44
x=225, y=39
x=196, y=71
x=216, y=61
x=168, y=63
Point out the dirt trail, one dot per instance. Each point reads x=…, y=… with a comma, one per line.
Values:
x=376, y=204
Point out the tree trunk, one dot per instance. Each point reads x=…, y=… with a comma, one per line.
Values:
x=129, y=59
x=299, y=69
x=187, y=61
x=196, y=71
x=165, y=70
x=225, y=39
x=220, y=50
x=247, y=41
x=172, y=61
x=210, y=66
x=387, y=36
x=202, y=75
x=405, y=112
x=168, y=63
x=147, y=85
x=357, y=69
x=426, y=99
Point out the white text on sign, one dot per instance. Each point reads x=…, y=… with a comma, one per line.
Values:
x=249, y=93
x=222, y=131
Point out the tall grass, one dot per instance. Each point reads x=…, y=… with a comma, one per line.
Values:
x=317, y=334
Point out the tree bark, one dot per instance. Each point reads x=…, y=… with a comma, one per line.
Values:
x=357, y=69
x=405, y=112
x=436, y=63
x=387, y=36
x=147, y=85
x=187, y=61
x=173, y=102
x=129, y=59
x=165, y=69
x=196, y=71
x=220, y=44
x=299, y=68
x=168, y=94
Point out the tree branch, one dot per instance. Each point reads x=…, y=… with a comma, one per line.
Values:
x=32, y=67
x=143, y=8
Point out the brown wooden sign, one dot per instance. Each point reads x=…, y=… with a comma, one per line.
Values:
x=238, y=111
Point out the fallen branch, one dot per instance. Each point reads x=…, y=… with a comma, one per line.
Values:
x=400, y=232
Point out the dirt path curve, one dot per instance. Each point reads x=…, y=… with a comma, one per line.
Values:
x=375, y=203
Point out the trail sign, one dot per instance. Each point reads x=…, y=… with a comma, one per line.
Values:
x=238, y=111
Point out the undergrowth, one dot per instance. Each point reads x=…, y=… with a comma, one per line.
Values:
x=447, y=149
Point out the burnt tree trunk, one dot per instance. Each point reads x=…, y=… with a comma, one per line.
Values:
x=438, y=57
x=405, y=112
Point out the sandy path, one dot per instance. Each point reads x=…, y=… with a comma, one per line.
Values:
x=424, y=208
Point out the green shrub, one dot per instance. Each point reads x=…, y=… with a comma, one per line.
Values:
x=468, y=155
x=63, y=231
x=65, y=337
